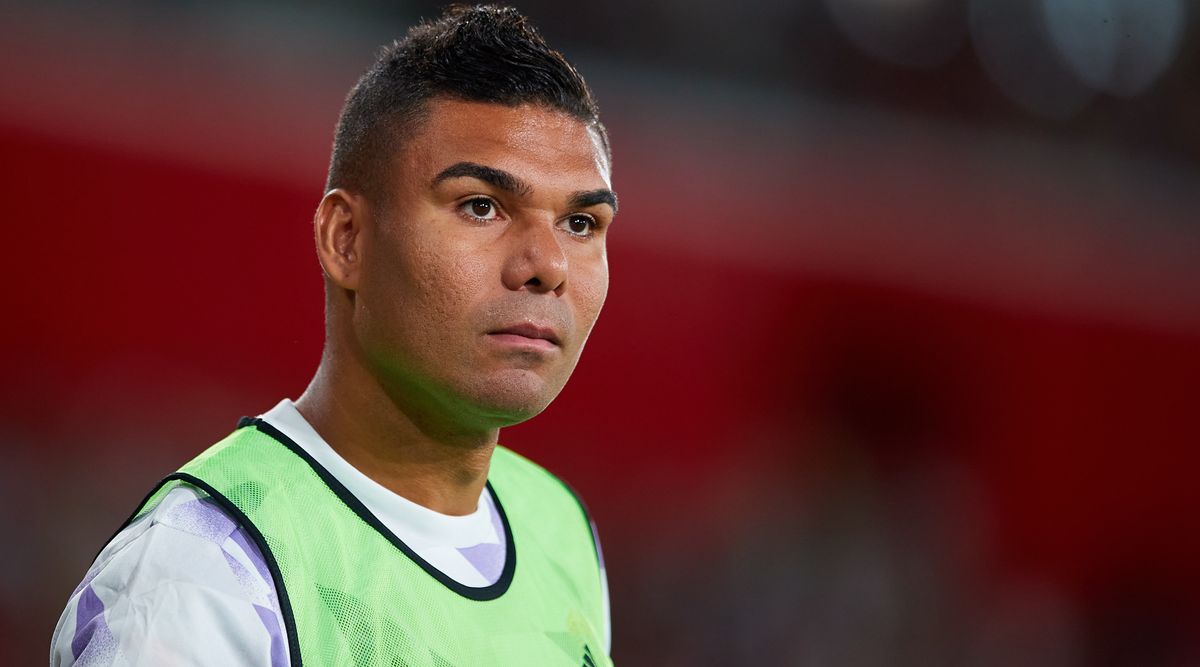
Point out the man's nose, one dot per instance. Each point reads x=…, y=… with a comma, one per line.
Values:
x=536, y=260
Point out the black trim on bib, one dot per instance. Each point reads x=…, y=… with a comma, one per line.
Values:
x=481, y=594
x=587, y=517
x=285, y=604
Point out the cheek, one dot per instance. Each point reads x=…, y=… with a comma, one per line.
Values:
x=590, y=293
x=471, y=274
x=446, y=279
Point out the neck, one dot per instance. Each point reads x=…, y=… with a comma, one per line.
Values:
x=394, y=442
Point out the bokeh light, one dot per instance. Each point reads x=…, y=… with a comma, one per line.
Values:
x=911, y=33
x=1117, y=46
x=1016, y=50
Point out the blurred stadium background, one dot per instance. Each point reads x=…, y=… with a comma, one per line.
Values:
x=901, y=358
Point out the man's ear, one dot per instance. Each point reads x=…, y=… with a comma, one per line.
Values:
x=338, y=226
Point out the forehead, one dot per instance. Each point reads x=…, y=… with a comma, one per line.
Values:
x=545, y=147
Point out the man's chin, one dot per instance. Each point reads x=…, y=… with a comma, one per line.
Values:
x=514, y=396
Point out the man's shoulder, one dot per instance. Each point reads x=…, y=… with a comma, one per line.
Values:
x=184, y=520
x=182, y=509
x=171, y=579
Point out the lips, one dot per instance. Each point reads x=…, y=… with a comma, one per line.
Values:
x=531, y=331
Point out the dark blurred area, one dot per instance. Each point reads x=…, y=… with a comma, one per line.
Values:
x=899, y=365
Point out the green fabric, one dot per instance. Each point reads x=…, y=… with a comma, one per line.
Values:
x=357, y=599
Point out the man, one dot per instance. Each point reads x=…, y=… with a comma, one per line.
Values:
x=375, y=520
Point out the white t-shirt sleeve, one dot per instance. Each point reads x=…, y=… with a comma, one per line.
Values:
x=603, y=591
x=182, y=585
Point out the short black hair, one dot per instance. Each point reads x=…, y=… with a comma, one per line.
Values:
x=480, y=53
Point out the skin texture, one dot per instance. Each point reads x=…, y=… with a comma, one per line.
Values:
x=416, y=381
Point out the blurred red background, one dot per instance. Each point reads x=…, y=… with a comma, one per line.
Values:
x=894, y=369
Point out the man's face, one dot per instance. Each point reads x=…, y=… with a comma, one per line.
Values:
x=483, y=275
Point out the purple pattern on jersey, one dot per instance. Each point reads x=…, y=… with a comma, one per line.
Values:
x=246, y=578
x=260, y=563
x=271, y=622
x=201, y=517
x=87, y=579
x=101, y=649
x=93, y=642
x=488, y=559
x=90, y=625
x=207, y=519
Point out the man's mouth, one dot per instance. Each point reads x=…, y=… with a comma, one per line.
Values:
x=527, y=333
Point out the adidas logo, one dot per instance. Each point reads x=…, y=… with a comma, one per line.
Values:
x=588, y=660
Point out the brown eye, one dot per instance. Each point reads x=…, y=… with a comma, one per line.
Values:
x=481, y=208
x=580, y=225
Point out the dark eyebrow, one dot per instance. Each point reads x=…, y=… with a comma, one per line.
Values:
x=495, y=177
x=593, y=197
x=509, y=183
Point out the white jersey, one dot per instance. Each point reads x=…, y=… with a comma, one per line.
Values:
x=185, y=584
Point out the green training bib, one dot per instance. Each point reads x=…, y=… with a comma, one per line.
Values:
x=352, y=593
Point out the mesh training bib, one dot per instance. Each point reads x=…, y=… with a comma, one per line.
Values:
x=352, y=593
